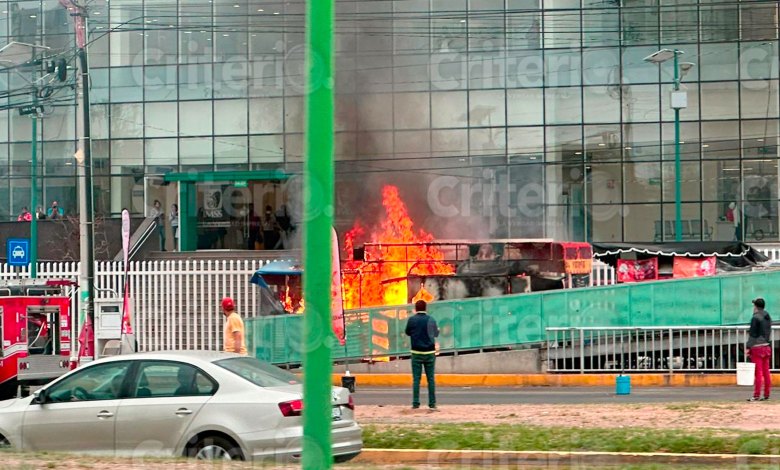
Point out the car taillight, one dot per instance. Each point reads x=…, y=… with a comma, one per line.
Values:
x=291, y=408
x=351, y=403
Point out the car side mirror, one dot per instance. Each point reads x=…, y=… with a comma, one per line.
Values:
x=39, y=396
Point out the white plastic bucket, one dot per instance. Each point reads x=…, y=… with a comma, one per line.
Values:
x=746, y=373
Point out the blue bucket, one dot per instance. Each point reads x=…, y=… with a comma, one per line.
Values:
x=623, y=385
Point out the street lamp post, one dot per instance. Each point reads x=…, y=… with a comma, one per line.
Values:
x=17, y=54
x=679, y=100
x=677, y=164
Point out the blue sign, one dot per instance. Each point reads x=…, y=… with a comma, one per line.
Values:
x=18, y=251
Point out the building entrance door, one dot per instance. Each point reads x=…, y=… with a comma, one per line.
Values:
x=233, y=210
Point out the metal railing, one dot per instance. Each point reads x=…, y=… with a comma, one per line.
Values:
x=649, y=349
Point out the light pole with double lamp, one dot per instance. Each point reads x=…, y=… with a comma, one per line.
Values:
x=18, y=56
x=679, y=100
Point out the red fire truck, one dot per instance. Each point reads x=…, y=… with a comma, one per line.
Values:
x=36, y=330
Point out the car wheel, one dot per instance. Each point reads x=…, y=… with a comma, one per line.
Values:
x=4, y=443
x=345, y=458
x=215, y=448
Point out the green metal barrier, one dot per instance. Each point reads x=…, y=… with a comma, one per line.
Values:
x=510, y=320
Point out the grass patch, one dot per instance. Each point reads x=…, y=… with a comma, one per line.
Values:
x=476, y=436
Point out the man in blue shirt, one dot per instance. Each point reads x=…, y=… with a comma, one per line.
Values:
x=55, y=211
x=422, y=330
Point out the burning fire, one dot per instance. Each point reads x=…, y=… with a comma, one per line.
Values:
x=289, y=302
x=382, y=280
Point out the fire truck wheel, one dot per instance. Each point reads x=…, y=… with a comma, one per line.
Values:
x=215, y=448
x=80, y=394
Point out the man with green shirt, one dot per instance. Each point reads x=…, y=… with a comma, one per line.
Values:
x=422, y=330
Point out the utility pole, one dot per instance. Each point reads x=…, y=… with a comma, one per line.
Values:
x=86, y=212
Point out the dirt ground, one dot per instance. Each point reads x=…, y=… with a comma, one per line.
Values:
x=739, y=416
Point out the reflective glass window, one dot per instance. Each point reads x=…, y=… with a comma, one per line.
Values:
x=718, y=61
x=230, y=117
x=195, y=118
x=126, y=84
x=720, y=140
x=601, y=103
x=160, y=83
x=563, y=105
x=487, y=108
x=196, y=151
x=601, y=66
x=127, y=120
x=562, y=68
x=564, y=143
x=719, y=100
x=161, y=120
x=161, y=152
x=448, y=109
x=266, y=116
x=525, y=106
x=758, y=98
x=639, y=21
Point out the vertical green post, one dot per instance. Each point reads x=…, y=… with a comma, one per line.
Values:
x=188, y=216
x=318, y=175
x=34, y=197
x=677, y=165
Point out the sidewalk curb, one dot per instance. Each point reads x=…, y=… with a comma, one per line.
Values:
x=550, y=380
x=552, y=459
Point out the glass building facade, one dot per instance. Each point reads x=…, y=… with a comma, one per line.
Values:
x=499, y=118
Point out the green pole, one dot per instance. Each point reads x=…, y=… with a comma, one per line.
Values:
x=318, y=175
x=34, y=197
x=677, y=165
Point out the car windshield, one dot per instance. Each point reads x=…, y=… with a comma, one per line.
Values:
x=258, y=372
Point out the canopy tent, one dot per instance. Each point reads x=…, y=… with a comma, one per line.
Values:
x=275, y=268
x=730, y=256
x=285, y=275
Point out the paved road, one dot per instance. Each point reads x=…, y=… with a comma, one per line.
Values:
x=551, y=395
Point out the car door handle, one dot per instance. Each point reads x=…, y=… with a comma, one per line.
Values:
x=105, y=414
x=183, y=412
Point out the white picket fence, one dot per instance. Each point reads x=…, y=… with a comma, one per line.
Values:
x=602, y=274
x=176, y=303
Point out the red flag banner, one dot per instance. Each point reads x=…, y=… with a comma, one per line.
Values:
x=694, y=267
x=127, y=326
x=629, y=270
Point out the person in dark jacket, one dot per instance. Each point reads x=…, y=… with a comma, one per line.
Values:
x=759, y=348
x=422, y=330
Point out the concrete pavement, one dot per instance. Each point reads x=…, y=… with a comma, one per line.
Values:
x=551, y=380
x=454, y=396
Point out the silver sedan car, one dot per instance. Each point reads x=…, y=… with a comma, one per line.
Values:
x=207, y=405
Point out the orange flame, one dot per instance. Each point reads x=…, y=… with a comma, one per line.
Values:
x=382, y=280
x=289, y=303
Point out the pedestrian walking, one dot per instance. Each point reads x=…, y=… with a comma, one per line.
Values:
x=159, y=219
x=234, y=337
x=422, y=330
x=759, y=348
x=174, y=219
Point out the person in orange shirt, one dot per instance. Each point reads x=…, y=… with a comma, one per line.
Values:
x=234, y=328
